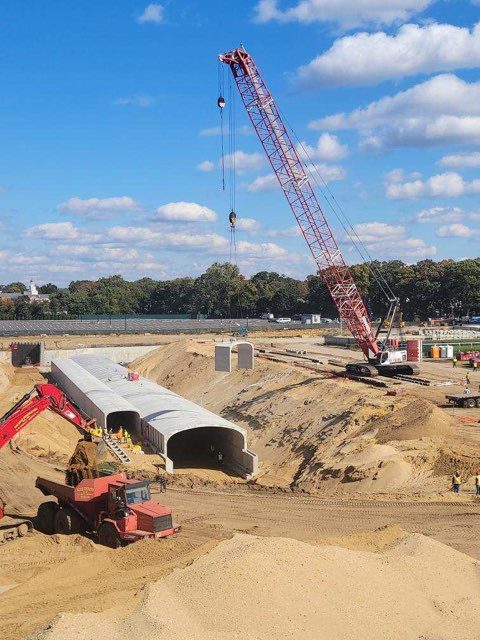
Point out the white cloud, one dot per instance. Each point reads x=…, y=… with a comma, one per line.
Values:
x=369, y=58
x=185, y=212
x=98, y=207
x=345, y=12
x=152, y=13
x=269, y=182
x=212, y=243
x=455, y=230
x=136, y=101
x=54, y=231
x=244, y=162
x=399, y=175
x=181, y=240
x=211, y=131
x=457, y=160
x=390, y=241
x=289, y=232
x=262, y=250
x=442, y=110
x=250, y=225
x=206, y=166
x=61, y=231
x=440, y=214
x=446, y=185
x=328, y=148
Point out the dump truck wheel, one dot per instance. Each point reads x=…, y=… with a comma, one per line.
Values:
x=67, y=522
x=469, y=403
x=108, y=536
x=45, y=520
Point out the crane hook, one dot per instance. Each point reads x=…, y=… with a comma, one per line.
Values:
x=232, y=218
x=221, y=102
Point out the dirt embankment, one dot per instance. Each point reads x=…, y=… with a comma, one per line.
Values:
x=315, y=432
x=269, y=588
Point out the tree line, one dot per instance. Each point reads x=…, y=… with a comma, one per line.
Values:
x=426, y=289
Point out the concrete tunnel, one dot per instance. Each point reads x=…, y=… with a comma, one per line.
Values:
x=199, y=448
x=179, y=430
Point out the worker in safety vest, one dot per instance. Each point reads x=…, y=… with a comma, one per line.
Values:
x=477, y=482
x=456, y=481
x=220, y=457
x=475, y=365
x=454, y=362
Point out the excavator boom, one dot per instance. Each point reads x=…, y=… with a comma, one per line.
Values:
x=48, y=396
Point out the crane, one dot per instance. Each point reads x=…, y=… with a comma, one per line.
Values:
x=40, y=398
x=296, y=185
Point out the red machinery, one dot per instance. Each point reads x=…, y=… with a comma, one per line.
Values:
x=48, y=396
x=27, y=408
x=118, y=510
x=296, y=186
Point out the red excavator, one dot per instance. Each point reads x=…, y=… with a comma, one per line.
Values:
x=41, y=397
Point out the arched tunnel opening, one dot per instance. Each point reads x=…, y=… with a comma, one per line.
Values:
x=127, y=420
x=207, y=448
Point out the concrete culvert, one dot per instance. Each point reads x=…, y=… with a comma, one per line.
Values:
x=206, y=448
x=128, y=420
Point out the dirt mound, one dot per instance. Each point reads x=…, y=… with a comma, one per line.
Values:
x=374, y=541
x=50, y=574
x=313, y=432
x=6, y=371
x=266, y=588
x=417, y=419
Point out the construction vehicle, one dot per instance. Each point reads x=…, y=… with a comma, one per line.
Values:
x=115, y=509
x=380, y=357
x=47, y=396
x=464, y=400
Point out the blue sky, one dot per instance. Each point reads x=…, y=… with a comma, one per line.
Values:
x=109, y=156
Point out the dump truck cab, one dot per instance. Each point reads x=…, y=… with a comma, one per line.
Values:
x=130, y=505
x=115, y=508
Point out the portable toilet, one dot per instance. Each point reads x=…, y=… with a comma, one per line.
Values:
x=435, y=351
x=443, y=351
x=449, y=348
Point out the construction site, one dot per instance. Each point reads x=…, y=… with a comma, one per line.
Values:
x=302, y=477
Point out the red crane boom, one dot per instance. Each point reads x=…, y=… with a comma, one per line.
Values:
x=295, y=183
x=28, y=408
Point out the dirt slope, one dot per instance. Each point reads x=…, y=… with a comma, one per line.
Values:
x=269, y=588
x=315, y=432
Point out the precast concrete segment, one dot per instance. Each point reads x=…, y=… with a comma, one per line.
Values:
x=165, y=414
x=92, y=396
x=223, y=355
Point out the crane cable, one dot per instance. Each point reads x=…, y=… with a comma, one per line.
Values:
x=349, y=229
x=221, y=105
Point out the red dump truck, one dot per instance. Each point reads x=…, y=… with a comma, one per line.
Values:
x=116, y=509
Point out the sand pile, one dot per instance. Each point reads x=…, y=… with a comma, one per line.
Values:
x=57, y=573
x=270, y=588
x=318, y=435
x=5, y=375
x=416, y=419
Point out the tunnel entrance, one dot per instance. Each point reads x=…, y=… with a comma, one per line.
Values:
x=199, y=448
x=129, y=420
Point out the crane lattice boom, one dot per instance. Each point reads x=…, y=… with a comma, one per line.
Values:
x=295, y=183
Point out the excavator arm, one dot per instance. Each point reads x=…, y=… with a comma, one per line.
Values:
x=47, y=396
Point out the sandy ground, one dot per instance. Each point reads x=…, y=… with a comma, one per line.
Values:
x=338, y=459
x=269, y=588
x=316, y=432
